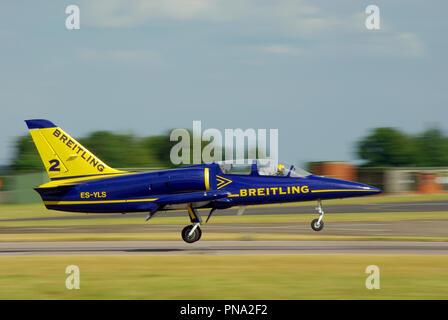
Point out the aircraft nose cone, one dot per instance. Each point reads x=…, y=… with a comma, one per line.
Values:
x=357, y=188
x=369, y=189
x=343, y=188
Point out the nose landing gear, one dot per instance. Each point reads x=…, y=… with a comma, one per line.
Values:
x=318, y=224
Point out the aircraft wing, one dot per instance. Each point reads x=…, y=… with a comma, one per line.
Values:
x=191, y=197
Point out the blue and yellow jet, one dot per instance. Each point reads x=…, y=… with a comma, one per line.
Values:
x=81, y=182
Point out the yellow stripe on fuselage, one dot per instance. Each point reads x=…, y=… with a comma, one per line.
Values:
x=340, y=190
x=97, y=202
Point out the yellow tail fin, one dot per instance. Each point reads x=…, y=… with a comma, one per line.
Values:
x=63, y=156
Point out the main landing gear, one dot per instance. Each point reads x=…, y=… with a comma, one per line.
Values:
x=318, y=224
x=193, y=232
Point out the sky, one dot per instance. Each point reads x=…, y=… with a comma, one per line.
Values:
x=310, y=69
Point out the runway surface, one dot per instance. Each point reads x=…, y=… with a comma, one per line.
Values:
x=220, y=247
x=405, y=228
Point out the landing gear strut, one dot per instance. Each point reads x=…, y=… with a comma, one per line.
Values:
x=318, y=224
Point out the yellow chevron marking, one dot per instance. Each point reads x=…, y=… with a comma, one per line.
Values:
x=222, y=182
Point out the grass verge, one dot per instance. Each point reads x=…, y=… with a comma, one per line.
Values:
x=225, y=277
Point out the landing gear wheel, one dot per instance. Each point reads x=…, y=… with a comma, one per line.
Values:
x=317, y=226
x=197, y=233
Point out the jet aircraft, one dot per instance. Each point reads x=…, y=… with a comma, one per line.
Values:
x=81, y=182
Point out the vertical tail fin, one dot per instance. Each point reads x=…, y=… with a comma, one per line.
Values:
x=63, y=156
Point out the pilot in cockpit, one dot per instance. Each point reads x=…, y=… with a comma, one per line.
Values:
x=280, y=170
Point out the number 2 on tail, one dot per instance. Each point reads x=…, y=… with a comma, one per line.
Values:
x=55, y=165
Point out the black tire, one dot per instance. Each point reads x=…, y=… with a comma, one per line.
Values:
x=315, y=226
x=194, y=237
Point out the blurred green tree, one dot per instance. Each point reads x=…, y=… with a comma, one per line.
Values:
x=432, y=148
x=387, y=147
x=26, y=157
x=158, y=148
x=118, y=150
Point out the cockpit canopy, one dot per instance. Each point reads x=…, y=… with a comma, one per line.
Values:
x=262, y=167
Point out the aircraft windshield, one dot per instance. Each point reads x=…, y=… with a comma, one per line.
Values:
x=233, y=167
x=264, y=168
x=282, y=170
